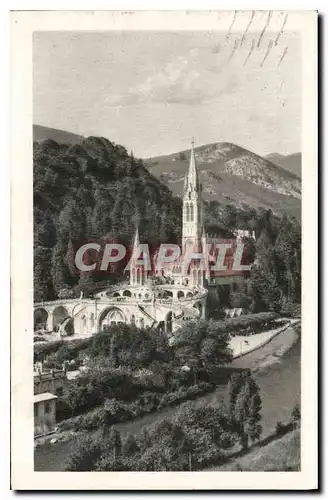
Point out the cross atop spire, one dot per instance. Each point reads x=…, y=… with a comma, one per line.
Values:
x=192, y=142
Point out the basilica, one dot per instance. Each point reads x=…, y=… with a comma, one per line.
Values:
x=163, y=300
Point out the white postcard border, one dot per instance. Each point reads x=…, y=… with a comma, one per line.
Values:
x=23, y=475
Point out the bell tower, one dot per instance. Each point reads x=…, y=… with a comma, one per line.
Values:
x=192, y=217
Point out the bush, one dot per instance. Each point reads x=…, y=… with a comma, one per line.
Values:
x=281, y=429
x=61, y=349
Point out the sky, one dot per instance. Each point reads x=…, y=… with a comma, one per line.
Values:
x=153, y=91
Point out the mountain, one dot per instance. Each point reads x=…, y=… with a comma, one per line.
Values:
x=41, y=133
x=231, y=174
x=292, y=163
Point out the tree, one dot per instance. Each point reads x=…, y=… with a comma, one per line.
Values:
x=130, y=445
x=114, y=442
x=296, y=416
x=85, y=453
x=74, y=395
x=245, y=407
x=144, y=439
x=43, y=286
x=202, y=345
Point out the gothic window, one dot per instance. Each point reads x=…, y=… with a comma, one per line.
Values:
x=191, y=213
x=187, y=212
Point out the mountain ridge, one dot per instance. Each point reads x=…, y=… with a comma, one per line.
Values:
x=229, y=173
x=42, y=133
x=232, y=174
x=291, y=162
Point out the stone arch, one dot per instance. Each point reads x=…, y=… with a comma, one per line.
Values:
x=161, y=327
x=41, y=316
x=127, y=293
x=199, y=306
x=59, y=315
x=189, y=295
x=111, y=316
x=180, y=294
x=116, y=294
x=133, y=319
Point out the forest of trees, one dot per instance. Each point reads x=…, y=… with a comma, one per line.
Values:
x=97, y=190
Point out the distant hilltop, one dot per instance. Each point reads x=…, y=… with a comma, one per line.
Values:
x=41, y=133
x=292, y=162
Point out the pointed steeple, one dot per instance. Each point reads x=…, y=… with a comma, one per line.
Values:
x=192, y=214
x=191, y=180
x=135, y=273
x=136, y=241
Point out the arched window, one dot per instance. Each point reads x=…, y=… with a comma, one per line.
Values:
x=191, y=212
x=187, y=212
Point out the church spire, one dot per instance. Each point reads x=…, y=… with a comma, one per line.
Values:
x=138, y=273
x=191, y=180
x=136, y=241
x=192, y=218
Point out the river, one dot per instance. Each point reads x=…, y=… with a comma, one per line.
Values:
x=277, y=377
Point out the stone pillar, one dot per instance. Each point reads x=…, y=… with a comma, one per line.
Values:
x=203, y=313
x=50, y=324
x=91, y=322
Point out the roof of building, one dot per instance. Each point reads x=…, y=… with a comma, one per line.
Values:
x=45, y=396
x=71, y=375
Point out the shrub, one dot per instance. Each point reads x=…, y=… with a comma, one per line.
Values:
x=281, y=428
x=296, y=416
x=85, y=453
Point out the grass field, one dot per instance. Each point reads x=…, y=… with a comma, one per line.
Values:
x=283, y=454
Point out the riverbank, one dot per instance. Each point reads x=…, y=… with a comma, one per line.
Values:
x=242, y=345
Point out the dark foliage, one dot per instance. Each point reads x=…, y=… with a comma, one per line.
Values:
x=92, y=191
